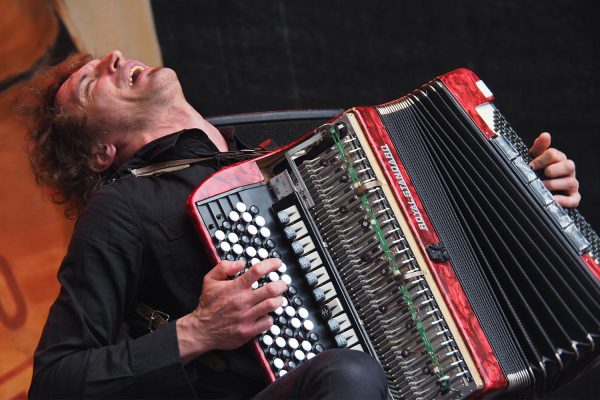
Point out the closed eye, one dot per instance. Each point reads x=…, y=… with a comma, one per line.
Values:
x=88, y=87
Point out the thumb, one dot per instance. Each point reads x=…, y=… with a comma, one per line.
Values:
x=540, y=144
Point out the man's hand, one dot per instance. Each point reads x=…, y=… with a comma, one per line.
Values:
x=559, y=171
x=230, y=312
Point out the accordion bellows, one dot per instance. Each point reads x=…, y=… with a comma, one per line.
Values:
x=417, y=232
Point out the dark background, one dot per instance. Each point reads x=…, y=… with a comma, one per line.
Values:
x=540, y=58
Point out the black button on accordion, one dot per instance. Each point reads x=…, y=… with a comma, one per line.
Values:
x=417, y=232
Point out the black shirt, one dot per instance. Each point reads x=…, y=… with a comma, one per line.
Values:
x=135, y=242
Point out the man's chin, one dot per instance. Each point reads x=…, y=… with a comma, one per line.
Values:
x=162, y=77
x=162, y=72
x=156, y=81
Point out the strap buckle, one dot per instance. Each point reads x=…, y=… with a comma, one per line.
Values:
x=157, y=319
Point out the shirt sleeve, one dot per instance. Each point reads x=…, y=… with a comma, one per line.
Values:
x=78, y=354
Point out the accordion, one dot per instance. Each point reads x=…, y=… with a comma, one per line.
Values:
x=417, y=232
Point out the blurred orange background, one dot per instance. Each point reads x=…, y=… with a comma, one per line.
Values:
x=34, y=233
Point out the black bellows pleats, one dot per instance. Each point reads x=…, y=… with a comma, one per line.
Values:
x=536, y=300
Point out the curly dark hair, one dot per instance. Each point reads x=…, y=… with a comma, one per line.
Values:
x=59, y=143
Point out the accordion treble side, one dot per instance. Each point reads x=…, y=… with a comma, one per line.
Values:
x=417, y=232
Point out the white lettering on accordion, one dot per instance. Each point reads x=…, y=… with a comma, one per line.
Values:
x=416, y=213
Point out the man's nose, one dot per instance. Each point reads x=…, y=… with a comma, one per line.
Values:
x=111, y=61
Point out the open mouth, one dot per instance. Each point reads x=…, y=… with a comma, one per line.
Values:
x=134, y=74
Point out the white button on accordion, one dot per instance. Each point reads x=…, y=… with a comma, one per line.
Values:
x=417, y=232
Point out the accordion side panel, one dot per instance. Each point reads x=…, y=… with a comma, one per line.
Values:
x=449, y=285
x=241, y=174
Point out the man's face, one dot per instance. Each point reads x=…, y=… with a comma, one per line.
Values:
x=115, y=93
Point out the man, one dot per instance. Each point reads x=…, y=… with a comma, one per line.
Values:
x=93, y=120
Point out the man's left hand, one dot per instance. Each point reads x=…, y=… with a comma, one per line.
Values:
x=558, y=169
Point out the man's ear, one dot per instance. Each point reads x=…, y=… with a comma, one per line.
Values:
x=103, y=157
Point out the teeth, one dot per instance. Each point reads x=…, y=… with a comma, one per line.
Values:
x=133, y=71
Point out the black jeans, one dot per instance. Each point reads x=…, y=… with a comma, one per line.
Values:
x=334, y=374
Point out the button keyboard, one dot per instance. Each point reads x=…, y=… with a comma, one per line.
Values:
x=312, y=317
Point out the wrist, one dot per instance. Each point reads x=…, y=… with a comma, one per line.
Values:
x=191, y=343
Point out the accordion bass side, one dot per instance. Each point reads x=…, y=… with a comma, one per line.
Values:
x=417, y=232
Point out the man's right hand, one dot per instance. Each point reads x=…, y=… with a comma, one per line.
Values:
x=230, y=312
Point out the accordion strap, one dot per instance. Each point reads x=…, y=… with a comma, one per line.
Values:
x=167, y=166
x=222, y=158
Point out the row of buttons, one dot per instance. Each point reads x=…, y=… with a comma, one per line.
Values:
x=318, y=279
x=243, y=235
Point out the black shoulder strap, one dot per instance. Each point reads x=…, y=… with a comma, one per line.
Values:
x=223, y=158
x=168, y=166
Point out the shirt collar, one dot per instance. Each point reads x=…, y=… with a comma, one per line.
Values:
x=187, y=143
